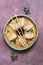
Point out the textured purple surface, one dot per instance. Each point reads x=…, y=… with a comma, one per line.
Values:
x=8, y=8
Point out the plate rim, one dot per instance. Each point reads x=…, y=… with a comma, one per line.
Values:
x=20, y=49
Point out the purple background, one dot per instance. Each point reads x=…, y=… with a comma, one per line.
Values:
x=8, y=8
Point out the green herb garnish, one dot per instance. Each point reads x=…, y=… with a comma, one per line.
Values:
x=27, y=32
x=32, y=30
x=26, y=10
x=8, y=31
x=16, y=21
x=13, y=56
x=14, y=41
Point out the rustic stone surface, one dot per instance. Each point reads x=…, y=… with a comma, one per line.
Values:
x=8, y=8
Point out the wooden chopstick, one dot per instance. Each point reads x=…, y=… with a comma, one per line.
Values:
x=17, y=29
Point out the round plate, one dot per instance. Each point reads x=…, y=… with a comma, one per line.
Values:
x=20, y=49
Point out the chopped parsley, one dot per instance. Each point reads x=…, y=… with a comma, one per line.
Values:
x=14, y=41
x=32, y=30
x=8, y=31
x=27, y=32
x=13, y=56
x=16, y=21
x=26, y=10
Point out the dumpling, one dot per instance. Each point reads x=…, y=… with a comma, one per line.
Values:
x=17, y=25
x=14, y=36
x=28, y=27
x=28, y=35
x=22, y=41
x=14, y=26
x=22, y=22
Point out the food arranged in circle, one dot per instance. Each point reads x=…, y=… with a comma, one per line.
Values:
x=20, y=32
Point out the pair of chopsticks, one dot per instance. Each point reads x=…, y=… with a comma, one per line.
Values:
x=20, y=27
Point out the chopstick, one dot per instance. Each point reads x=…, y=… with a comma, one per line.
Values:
x=17, y=29
x=20, y=28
